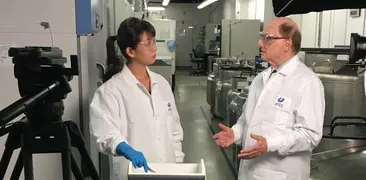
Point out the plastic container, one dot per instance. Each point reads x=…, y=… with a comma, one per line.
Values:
x=169, y=171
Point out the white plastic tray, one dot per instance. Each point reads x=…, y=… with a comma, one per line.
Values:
x=171, y=171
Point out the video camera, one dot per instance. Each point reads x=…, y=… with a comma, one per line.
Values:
x=43, y=83
x=357, y=48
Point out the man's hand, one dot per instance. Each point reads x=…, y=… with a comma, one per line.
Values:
x=256, y=150
x=224, y=138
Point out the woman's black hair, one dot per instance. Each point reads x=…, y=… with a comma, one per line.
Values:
x=128, y=36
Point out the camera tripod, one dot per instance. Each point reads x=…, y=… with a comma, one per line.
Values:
x=56, y=137
x=43, y=83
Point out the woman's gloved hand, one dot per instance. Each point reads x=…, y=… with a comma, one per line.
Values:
x=136, y=157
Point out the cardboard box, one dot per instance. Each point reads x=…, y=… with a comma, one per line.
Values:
x=169, y=171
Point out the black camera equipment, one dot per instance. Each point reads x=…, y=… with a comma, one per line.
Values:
x=43, y=84
x=357, y=48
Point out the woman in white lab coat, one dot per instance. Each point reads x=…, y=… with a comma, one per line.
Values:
x=133, y=116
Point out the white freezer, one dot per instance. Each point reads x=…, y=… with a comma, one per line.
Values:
x=163, y=66
x=165, y=57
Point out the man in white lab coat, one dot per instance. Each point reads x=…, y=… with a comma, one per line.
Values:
x=283, y=116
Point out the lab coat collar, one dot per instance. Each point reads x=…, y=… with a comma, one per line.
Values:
x=285, y=69
x=289, y=66
x=129, y=77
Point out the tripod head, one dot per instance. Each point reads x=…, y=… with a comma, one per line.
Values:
x=42, y=84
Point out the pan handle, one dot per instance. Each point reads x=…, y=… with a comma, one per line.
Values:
x=325, y=60
x=347, y=118
x=357, y=124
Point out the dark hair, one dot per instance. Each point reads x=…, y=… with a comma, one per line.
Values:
x=128, y=36
x=289, y=31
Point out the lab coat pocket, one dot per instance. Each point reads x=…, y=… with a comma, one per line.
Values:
x=282, y=117
x=261, y=173
x=282, y=111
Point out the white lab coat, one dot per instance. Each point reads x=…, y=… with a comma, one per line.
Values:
x=123, y=110
x=288, y=110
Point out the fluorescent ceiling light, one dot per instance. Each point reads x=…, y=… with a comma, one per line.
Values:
x=165, y=2
x=206, y=3
x=155, y=8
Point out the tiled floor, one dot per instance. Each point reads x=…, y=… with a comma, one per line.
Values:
x=198, y=143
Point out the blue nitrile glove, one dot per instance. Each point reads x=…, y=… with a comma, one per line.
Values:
x=136, y=157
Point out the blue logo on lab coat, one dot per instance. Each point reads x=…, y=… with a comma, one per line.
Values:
x=281, y=99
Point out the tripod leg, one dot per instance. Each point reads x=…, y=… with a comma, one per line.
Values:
x=66, y=164
x=75, y=169
x=4, y=163
x=77, y=141
x=18, y=167
x=28, y=165
x=12, y=143
x=88, y=163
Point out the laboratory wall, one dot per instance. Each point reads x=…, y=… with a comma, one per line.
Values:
x=229, y=9
x=254, y=9
x=242, y=11
x=123, y=10
x=319, y=29
x=189, y=19
x=309, y=29
x=330, y=28
x=339, y=25
x=20, y=26
x=263, y=10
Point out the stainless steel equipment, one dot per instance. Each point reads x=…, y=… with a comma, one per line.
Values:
x=340, y=154
x=344, y=87
x=237, y=109
x=226, y=60
x=218, y=89
x=345, y=122
x=223, y=86
x=344, y=94
x=319, y=62
x=211, y=86
x=215, y=67
x=212, y=79
x=237, y=97
x=310, y=58
x=211, y=61
x=344, y=132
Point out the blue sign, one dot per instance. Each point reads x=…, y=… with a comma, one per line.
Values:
x=171, y=45
x=258, y=59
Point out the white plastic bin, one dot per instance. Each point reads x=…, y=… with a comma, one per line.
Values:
x=169, y=171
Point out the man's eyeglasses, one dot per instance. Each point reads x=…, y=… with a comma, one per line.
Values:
x=267, y=38
x=148, y=42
